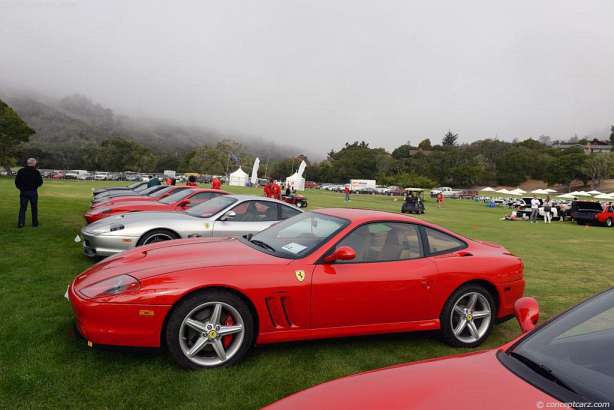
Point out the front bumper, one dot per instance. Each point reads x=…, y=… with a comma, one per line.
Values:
x=106, y=245
x=118, y=324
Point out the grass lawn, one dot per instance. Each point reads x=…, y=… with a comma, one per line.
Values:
x=43, y=363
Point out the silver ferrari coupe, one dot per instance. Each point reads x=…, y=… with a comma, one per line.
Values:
x=227, y=215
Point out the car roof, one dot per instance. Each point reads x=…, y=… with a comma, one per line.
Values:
x=363, y=215
x=242, y=197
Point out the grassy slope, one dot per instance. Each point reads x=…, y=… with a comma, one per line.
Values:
x=43, y=364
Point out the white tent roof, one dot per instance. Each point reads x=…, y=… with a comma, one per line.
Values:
x=594, y=192
x=567, y=196
x=580, y=193
x=604, y=196
x=487, y=189
x=503, y=191
x=294, y=177
x=239, y=173
x=540, y=191
x=550, y=190
x=519, y=191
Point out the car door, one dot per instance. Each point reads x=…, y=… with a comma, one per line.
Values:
x=249, y=217
x=387, y=282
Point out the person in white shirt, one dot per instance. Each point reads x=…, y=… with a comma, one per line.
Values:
x=534, y=209
x=547, y=210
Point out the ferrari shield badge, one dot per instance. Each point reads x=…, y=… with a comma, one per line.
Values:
x=300, y=275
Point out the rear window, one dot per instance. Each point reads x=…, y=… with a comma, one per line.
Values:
x=440, y=242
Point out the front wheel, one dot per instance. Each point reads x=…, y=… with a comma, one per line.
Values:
x=210, y=329
x=468, y=316
x=157, y=235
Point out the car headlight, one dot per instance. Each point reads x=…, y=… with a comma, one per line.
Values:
x=112, y=286
x=116, y=227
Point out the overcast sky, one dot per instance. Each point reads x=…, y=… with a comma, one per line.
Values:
x=319, y=73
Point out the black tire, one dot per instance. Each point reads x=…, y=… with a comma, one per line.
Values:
x=445, y=319
x=187, y=305
x=608, y=222
x=148, y=237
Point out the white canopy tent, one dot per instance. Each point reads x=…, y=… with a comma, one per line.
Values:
x=580, y=193
x=238, y=178
x=594, y=192
x=550, y=190
x=566, y=196
x=518, y=191
x=540, y=191
x=604, y=196
x=296, y=181
x=487, y=189
x=503, y=191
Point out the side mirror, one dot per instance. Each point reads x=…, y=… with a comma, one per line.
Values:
x=184, y=203
x=229, y=216
x=527, y=313
x=343, y=253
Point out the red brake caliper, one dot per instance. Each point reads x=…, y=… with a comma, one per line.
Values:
x=227, y=340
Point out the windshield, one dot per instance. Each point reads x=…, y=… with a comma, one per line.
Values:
x=177, y=196
x=140, y=188
x=161, y=192
x=298, y=236
x=577, y=348
x=212, y=206
x=134, y=185
x=150, y=190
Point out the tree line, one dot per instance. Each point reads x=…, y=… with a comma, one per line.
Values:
x=483, y=162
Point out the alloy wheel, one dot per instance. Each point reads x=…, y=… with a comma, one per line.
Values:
x=211, y=334
x=470, y=317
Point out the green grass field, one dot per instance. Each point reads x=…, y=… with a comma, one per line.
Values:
x=43, y=363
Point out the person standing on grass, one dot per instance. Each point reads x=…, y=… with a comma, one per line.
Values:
x=346, y=191
x=534, y=209
x=216, y=183
x=548, y=210
x=439, y=199
x=28, y=181
x=191, y=181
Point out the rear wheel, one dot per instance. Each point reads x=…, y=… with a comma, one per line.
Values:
x=210, y=329
x=468, y=316
x=608, y=222
x=157, y=235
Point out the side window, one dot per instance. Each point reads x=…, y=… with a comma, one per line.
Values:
x=440, y=242
x=201, y=197
x=255, y=211
x=287, y=212
x=384, y=241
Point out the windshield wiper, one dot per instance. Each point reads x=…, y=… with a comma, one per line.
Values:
x=542, y=370
x=263, y=245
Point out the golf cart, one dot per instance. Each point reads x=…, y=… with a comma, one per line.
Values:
x=414, y=201
x=295, y=199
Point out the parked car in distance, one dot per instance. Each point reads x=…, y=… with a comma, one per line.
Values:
x=101, y=176
x=328, y=273
x=446, y=191
x=584, y=211
x=605, y=216
x=564, y=361
x=127, y=193
x=137, y=186
x=177, y=202
x=154, y=195
x=223, y=215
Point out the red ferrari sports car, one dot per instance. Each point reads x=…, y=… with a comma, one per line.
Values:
x=330, y=273
x=156, y=196
x=565, y=363
x=178, y=201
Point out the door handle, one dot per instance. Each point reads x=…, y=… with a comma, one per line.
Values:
x=464, y=253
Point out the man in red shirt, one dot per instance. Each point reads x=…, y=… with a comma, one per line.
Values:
x=267, y=188
x=216, y=183
x=275, y=191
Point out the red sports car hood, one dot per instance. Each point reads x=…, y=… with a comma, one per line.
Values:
x=133, y=206
x=471, y=381
x=170, y=256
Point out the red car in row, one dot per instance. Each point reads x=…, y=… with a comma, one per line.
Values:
x=329, y=273
x=565, y=363
x=155, y=196
x=178, y=201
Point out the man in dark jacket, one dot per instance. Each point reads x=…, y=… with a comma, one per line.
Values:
x=27, y=181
